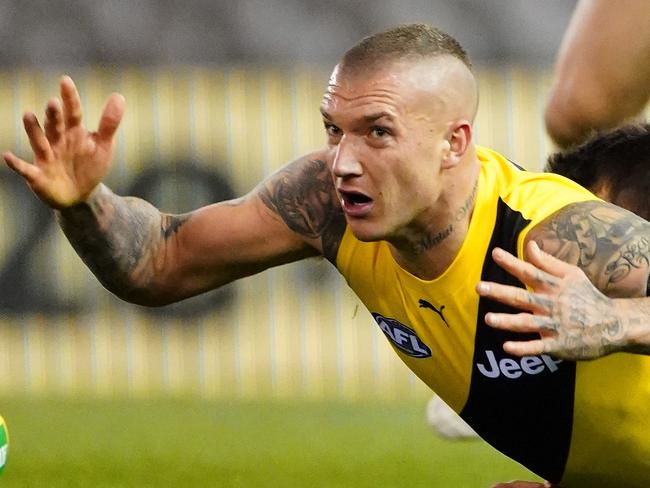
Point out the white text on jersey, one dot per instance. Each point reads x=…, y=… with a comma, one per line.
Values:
x=513, y=368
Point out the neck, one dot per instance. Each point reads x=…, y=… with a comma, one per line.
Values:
x=427, y=248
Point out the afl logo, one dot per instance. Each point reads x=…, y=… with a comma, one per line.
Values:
x=404, y=338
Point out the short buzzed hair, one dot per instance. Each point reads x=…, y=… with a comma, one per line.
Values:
x=618, y=160
x=409, y=41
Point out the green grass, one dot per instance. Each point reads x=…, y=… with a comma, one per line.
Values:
x=194, y=443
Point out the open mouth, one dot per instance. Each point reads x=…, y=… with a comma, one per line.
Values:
x=354, y=202
x=354, y=198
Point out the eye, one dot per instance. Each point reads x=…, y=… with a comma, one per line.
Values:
x=332, y=130
x=379, y=132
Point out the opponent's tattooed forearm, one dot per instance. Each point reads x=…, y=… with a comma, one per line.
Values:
x=610, y=244
x=303, y=195
x=635, y=313
x=583, y=320
x=119, y=239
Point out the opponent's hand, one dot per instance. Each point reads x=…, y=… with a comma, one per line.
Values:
x=69, y=161
x=574, y=319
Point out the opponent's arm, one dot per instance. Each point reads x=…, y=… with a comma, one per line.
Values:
x=584, y=244
x=597, y=83
x=151, y=258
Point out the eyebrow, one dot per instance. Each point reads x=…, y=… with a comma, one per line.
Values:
x=376, y=116
x=366, y=118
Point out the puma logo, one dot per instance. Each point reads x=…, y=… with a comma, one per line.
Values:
x=424, y=304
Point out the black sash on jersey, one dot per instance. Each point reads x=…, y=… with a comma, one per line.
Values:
x=529, y=418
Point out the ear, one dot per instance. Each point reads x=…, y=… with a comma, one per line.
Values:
x=459, y=138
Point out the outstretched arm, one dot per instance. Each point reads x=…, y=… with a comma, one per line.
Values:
x=575, y=319
x=148, y=257
x=151, y=258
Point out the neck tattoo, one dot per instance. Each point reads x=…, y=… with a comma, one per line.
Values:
x=429, y=241
x=468, y=205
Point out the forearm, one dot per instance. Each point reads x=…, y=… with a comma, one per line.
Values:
x=586, y=93
x=634, y=316
x=122, y=240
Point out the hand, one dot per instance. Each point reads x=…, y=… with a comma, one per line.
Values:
x=69, y=161
x=575, y=321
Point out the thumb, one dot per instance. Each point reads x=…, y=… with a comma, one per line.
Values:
x=111, y=118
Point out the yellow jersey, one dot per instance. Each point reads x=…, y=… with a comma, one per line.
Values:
x=577, y=424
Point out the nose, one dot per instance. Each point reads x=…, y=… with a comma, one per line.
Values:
x=346, y=160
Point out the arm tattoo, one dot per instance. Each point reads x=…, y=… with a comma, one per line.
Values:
x=303, y=195
x=119, y=239
x=632, y=256
x=171, y=223
x=607, y=242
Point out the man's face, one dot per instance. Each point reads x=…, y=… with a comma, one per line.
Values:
x=387, y=135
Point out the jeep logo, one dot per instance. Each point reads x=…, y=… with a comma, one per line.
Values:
x=513, y=368
x=402, y=336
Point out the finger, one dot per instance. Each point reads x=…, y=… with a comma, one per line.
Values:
x=545, y=261
x=72, y=112
x=515, y=296
x=525, y=272
x=111, y=118
x=38, y=141
x=54, y=125
x=525, y=348
x=28, y=171
x=520, y=322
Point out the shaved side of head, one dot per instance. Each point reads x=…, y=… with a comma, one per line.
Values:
x=439, y=60
x=401, y=43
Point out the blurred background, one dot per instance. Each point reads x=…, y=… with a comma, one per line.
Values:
x=65, y=33
x=219, y=95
